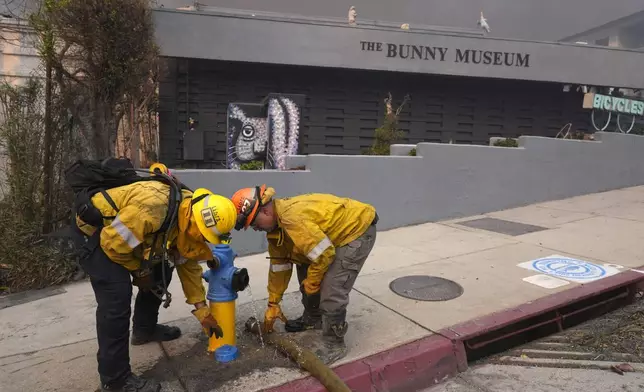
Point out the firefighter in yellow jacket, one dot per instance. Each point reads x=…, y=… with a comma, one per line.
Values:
x=112, y=256
x=328, y=238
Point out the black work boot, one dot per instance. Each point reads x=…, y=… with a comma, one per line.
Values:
x=312, y=316
x=305, y=322
x=161, y=333
x=134, y=383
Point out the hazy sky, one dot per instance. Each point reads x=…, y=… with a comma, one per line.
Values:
x=548, y=20
x=527, y=19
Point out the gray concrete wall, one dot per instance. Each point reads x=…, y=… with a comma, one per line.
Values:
x=448, y=180
x=262, y=40
x=401, y=149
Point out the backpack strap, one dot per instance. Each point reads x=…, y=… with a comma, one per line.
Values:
x=174, y=200
x=111, y=203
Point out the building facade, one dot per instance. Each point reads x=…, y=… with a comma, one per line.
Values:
x=344, y=107
x=463, y=87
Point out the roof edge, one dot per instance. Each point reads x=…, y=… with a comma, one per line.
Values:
x=413, y=29
x=631, y=18
x=317, y=20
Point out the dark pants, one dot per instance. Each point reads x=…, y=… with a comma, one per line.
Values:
x=113, y=291
x=311, y=303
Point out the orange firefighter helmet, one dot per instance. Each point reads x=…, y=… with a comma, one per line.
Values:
x=247, y=202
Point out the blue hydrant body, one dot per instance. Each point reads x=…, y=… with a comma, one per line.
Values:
x=224, y=281
x=220, y=279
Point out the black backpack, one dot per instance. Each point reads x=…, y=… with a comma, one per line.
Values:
x=88, y=177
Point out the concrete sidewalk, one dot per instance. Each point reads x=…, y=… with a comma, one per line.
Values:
x=49, y=344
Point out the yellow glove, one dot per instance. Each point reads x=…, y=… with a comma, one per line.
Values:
x=208, y=322
x=273, y=312
x=311, y=288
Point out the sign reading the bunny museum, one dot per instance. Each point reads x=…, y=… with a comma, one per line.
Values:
x=613, y=104
x=445, y=54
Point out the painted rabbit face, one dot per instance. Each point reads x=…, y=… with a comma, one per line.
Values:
x=250, y=142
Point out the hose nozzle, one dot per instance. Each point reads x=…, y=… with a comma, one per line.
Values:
x=252, y=325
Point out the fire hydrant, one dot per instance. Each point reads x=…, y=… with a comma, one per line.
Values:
x=224, y=281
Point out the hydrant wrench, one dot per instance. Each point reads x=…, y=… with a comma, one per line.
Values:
x=159, y=292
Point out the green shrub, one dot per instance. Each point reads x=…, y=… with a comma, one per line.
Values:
x=385, y=136
x=388, y=133
x=507, y=142
x=33, y=263
x=412, y=152
x=28, y=260
x=252, y=165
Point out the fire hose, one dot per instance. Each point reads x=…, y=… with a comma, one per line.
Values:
x=304, y=358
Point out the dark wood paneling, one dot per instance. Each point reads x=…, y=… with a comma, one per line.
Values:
x=343, y=107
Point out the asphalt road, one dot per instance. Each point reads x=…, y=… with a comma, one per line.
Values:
x=578, y=359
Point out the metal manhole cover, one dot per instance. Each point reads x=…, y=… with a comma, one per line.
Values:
x=426, y=288
x=502, y=226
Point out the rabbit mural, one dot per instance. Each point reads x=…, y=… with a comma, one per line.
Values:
x=284, y=131
x=266, y=132
x=247, y=134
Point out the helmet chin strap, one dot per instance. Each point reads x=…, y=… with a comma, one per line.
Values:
x=197, y=199
x=258, y=202
x=258, y=196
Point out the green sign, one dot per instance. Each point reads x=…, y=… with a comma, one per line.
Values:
x=613, y=104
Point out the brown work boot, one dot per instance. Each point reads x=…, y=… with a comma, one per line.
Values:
x=332, y=346
x=334, y=333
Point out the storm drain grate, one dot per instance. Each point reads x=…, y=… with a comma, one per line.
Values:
x=502, y=226
x=426, y=288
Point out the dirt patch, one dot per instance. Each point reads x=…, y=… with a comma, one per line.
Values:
x=199, y=371
x=619, y=332
x=617, y=337
x=608, y=337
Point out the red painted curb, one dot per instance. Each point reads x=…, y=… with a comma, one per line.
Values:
x=409, y=367
x=433, y=359
x=503, y=318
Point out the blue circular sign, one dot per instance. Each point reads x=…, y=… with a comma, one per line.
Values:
x=569, y=268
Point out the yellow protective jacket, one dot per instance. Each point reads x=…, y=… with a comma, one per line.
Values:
x=309, y=229
x=128, y=238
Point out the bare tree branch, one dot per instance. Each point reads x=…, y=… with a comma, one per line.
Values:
x=106, y=52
